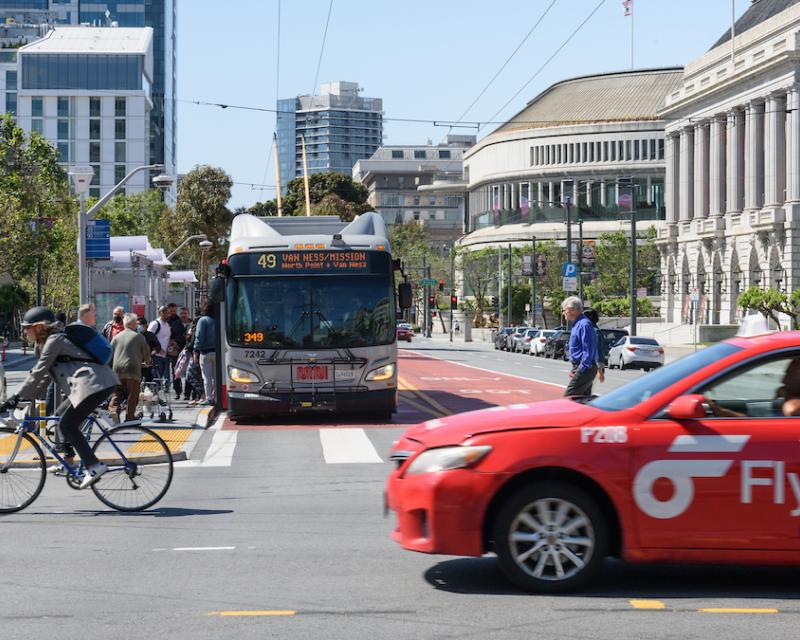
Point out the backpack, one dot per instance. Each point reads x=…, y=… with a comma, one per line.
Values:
x=89, y=340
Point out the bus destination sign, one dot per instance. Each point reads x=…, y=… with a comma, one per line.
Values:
x=301, y=262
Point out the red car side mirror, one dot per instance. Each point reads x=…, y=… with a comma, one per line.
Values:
x=689, y=407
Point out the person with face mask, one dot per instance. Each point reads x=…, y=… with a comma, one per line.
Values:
x=114, y=326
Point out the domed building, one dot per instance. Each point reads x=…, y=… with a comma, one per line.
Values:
x=592, y=145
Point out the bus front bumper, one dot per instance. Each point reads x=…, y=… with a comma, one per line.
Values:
x=285, y=403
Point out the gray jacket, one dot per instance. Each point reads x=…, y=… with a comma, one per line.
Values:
x=77, y=379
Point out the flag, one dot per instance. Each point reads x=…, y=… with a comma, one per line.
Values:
x=628, y=5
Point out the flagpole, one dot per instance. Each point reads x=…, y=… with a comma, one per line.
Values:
x=631, y=36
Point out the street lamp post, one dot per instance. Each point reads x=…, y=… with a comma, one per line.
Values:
x=205, y=246
x=81, y=178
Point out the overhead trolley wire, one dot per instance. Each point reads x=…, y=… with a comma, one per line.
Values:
x=546, y=62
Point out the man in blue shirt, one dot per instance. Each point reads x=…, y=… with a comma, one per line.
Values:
x=582, y=349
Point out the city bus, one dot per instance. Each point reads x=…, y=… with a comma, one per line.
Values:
x=309, y=320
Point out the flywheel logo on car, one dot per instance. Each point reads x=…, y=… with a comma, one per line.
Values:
x=681, y=473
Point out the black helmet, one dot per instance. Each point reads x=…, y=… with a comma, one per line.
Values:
x=38, y=315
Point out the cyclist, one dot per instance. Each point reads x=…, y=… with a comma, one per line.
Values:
x=85, y=383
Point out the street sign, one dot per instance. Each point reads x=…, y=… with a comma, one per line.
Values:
x=538, y=307
x=428, y=281
x=570, y=283
x=98, y=239
x=527, y=306
x=570, y=270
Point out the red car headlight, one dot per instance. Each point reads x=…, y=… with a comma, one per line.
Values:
x=444, y=458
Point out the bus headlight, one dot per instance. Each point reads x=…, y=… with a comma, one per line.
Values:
x=240, y=375
x=381, y=373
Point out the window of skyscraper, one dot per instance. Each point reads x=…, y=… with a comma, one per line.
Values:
x=119, y=107
x=37, y=106
x=419, y=154
x=11, y=103
x=63, y=129
x=94, y=107
x=444, y=154
x=119, y=129
x=94, y=152
x=119, y=152
x=63, y=151
x=82, y=71
x=397, y=154
x=63, y=107
x=11, y=80
x=37, y=124
x=94, y=129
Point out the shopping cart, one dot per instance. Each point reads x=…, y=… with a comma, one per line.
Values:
x=154, y=400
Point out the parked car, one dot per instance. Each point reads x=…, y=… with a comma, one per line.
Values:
x=557, y=346
x=610, y=338
x=690, y=463
x=522, y=343
x=635, y=351
x=404, y=331
x=540, y=340
x=501, y=338
x=518, y=332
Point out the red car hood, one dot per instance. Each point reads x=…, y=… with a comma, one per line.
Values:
x=457, y=428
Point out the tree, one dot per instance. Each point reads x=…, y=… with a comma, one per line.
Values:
x=771, y=302
x=34, y=187
x=137, y=214
x=613, y=261
x=479, y=271
x=350, y=200
x=203, y=195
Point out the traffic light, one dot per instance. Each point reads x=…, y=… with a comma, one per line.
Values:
x=441, y=285
x=494, y=301
x=454, y=301
x=431, y=300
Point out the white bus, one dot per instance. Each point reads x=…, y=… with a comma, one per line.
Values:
x=309, y=321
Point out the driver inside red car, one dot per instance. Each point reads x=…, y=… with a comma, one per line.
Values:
x=787, y=397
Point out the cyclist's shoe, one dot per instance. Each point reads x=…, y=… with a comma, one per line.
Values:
x=93, y=474
x=57, y=469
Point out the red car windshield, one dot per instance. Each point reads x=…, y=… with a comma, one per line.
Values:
x=646, y=387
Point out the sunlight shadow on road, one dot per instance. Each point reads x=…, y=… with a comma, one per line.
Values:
x=161, y=512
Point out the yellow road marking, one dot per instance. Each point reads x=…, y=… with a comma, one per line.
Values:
x=7, y=445
x=403, y=385
x=646, y=604
x=174, y=439
x=735, y=610
x=277, y=612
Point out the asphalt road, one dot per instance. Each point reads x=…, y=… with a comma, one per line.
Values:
x=269, y=532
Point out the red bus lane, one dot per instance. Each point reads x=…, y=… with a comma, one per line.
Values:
x=449, y=387
x=428, y=387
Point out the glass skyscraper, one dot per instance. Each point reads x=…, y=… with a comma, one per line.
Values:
x=161, y=15
x=339, y=127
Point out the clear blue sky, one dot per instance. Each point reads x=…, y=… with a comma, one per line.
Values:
x=426, y=58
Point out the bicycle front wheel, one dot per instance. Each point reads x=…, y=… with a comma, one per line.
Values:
x=22, y=481
x=139, y=468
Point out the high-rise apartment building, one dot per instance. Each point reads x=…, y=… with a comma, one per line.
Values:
x=160, y=15
x=339, y=127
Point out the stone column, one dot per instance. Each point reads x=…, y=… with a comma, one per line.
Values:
x=716, y=174
x=671, y=180
x=793, y=146
x=564, y=193
x=775, y=151
x=735, y=156
x=701, y=170
x=686, y=178
x=602, y=193
x=540, y=194
x=649, y=190
x=754, y=156
x=551, y=191
x=575, y=191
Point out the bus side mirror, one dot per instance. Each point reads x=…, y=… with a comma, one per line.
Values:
x=216, y=290
x=404, y=295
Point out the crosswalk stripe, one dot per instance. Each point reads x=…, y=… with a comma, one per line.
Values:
x=347, y=446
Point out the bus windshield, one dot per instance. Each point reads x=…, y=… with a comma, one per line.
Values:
x=276, y=312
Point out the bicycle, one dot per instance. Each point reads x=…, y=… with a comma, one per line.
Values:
x=140, y=464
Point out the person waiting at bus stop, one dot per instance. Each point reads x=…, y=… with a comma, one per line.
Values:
x=582, y=349
x=205, y=353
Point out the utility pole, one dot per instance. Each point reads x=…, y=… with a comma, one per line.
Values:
x=580, y=259
x=568, y=207
x=533, y=281
x=510, y=277
x=39, y=259
x=634, y=302
x=500, y=316
x=452, y=285
x=425, y=294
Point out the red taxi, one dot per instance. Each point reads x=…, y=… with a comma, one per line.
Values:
x=698, y=461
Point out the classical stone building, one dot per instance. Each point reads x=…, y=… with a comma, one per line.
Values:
x=733, y=169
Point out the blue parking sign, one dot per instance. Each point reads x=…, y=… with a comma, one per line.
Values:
x=570, y=270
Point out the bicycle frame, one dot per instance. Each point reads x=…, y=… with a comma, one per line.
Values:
x=30, y=424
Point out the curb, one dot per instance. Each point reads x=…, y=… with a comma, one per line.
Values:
x=206, y=417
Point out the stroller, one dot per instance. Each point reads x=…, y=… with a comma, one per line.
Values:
x=154, y=399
